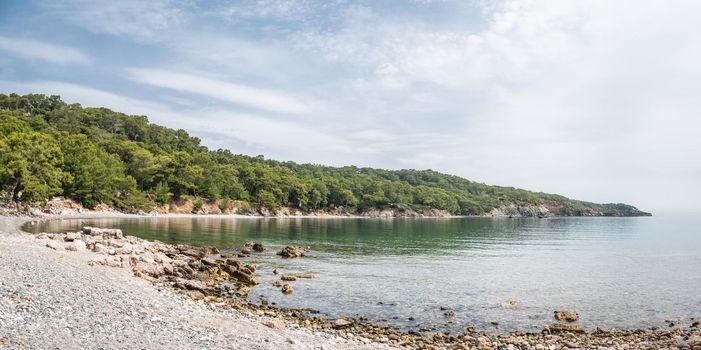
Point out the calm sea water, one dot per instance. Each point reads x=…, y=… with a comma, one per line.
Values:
x=616, y=272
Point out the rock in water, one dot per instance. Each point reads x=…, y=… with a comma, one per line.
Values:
x=258, y=247
x=287, y=289
x=292, y=251
x=568, y=316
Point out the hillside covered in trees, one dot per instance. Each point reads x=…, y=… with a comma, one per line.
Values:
x=95, y=155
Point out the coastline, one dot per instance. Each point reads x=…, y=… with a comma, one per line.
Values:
x=361, y=334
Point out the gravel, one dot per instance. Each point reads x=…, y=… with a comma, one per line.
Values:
x=52, y=299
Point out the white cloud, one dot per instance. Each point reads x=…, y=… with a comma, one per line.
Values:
x=592, y=99
x=133, y=18
x=258, y=98
x=39, y=50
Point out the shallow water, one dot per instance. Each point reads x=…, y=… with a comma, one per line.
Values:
x=616, y=272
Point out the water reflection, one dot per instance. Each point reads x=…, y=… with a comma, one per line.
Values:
x=359, y=236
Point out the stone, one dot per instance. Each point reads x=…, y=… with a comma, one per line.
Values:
x=72, y=236
x=342, y=323
x=292, y=252
x=287, y=289
x=258, y=247
x=76, y=246
x=99, y=248
x=568, y=316
x=55, y=245
x=564, y=327
x=275, y=324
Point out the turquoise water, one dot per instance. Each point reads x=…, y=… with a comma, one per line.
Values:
x=616, y=272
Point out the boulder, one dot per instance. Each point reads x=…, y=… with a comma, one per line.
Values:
x=292, y=251
x=258, y=247
x=76, y=246
x=557, y=328
x=342, y=323
x=72, y=236
x=287, y=289
x=106, y=233
x=568, y=316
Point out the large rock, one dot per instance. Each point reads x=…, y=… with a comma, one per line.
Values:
x=106, y=233
x=292, y=251
x=72, y=236
x=258, y=247
x=287, y=289
x=568, y=316
x=342, y=323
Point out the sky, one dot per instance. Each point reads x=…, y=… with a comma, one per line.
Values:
x=595, y=100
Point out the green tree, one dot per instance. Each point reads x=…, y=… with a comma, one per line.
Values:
x=30, y=166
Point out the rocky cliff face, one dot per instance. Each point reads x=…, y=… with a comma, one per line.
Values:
x=562, y=209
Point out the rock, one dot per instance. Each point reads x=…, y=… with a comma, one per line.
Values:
x=111, y=261
x=72, y=236
x=275, y=324
x=106, y=233
x=55, y=245
x=258, y=247
x=277, y=284
x=248, y=244
x=76, y=246
x=568, y=316
x=276, y=271
x=294, y=277
x=511, y=304
x=563, y=328
x=287, y=289
x=292, y=252
x=99, y=248
x=342, y=323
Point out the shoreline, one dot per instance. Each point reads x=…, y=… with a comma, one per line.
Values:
x=382, y=336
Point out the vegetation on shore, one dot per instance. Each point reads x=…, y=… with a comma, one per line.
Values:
x=95, y=155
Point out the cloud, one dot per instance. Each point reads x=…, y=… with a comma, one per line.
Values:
x=263, y=99
x=594, y=100
x=133, y=18
x=39, y=50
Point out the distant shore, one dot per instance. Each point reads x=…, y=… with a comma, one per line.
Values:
x=66, y=208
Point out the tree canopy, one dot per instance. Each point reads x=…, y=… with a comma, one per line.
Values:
x=95, y=155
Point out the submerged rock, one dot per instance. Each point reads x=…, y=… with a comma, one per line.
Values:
x=296, y=276
x=292, y=251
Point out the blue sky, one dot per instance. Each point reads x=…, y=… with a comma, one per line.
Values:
x=597, y=100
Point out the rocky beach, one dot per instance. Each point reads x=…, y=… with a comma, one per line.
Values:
x=101, y=288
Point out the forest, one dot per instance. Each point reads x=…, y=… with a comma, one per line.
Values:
x=95, y=155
